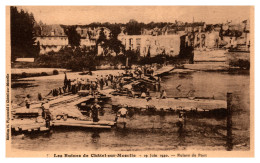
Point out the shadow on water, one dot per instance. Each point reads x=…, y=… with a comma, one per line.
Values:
x=181, y=134
x=23, y=85
x=185, y=75
x=95, y=136
x=35, y=135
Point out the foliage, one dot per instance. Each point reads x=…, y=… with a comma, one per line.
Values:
x=73, y=36
x=44, y=74
x=22, y=34
x=112, y=44
x=55, y=72
x=133, y=27
x=242, y=64
x=75, y=59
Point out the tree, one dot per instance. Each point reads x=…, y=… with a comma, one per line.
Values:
x=133, y=27
x=102, y=37
x=22, y=34
x=112, y=44
x=73, y=36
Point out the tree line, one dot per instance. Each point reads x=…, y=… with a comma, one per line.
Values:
x=22, y=34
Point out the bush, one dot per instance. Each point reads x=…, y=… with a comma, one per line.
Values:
x=24, y=75
x=44, y=74
x=242, y=64
x=55, y=72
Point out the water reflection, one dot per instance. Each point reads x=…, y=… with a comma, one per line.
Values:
x=146, y=129
x=181, y=134
x=95, y=136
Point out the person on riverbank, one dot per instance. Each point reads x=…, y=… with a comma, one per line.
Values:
x=60, y=91
x=64, y=89
x=148, y=95
x=143, y=95
x=69, y=85
x=111, y=78
x=133, y=92
x=101, y=83
x=91, y=88
x=181, y=120
x=163, y=94
x=39, y=96
x=45, y=109
x=27, y=101
x=106, y=80
x=87, y=87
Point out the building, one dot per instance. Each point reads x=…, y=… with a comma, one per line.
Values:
x=151, y=45
x=237, y=35
x=50, y=38
x=89, y=36
x=208, y=39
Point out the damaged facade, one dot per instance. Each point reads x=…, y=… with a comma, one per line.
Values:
x=50, y=38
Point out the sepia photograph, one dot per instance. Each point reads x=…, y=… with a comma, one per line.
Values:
x=129, y=81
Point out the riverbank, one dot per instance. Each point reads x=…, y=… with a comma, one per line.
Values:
x=17, y=73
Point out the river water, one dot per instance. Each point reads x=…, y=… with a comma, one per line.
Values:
x=149, y=131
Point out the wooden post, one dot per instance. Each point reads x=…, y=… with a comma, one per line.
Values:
x=229, y=122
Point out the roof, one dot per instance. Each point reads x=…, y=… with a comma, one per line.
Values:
x=49, y=30
x=87, y=32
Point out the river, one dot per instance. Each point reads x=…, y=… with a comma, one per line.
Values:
x=146, y=131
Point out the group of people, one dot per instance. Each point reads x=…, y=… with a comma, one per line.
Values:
x=99, y=83
x=114, y=81
x=144, y=70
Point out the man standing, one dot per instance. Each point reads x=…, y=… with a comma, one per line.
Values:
x=122, y=113
x=27, y=101
x=94, y=109
x=45, y=109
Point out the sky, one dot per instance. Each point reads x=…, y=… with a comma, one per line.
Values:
x=80, y=15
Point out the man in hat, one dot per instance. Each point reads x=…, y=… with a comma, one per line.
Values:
x=45, y=109
x=95, y=107
x=122, y=113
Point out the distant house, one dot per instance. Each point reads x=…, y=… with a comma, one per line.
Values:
x=183, y=28
x=89, y=36
x=195, y=27
x=161, y=44
x=236, y=34
x=50, y=38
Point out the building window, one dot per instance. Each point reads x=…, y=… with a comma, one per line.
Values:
x=138, y=41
